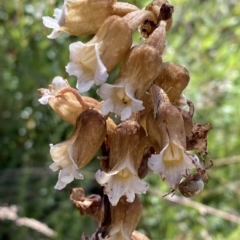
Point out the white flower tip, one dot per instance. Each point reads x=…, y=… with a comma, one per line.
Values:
x=106, y=107
x=113, y=201
x=60, y=185
x=54, y=167
x=54, y=34
x=130, y=195
x=43, y=100
x=102, y=177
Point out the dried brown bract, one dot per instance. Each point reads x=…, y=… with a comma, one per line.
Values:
x=198, y=139
x=91, y=205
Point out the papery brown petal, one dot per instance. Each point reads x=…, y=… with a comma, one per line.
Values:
x=173, y=79
x=91, y=131
x=68, y=108
x=127, y=141
x=135, y=211
x=167, y=126
x=85, y=17
x=115, y=38
x=124, y=215
x=140, y=68
x=91, y=205
x=198, y=139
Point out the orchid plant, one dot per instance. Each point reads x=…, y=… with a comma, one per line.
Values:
x=147, y=97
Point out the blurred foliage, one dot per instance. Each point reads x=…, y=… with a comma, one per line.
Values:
x=204, y=38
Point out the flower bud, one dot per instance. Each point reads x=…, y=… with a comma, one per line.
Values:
x=155, y=7
x=158, y=38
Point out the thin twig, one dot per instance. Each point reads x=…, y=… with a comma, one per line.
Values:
x=227, y=160
x=202, y=208
x=10, y=213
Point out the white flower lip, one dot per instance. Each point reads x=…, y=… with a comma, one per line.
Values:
x=172, y=170
x=116, y=186
x=64, y=163
x=114, y=104
x=85, y=63
x=58, y=84
x=54, y=23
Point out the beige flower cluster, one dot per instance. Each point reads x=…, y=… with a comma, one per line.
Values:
x=155, y=131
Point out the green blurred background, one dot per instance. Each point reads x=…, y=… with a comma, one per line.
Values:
x=204, y=38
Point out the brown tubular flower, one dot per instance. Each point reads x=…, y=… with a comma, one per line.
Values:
x=140, y=68
x=79, y=17
x=91, y=62
x=168, y=126
x=124, y=218
x=167, y=135
x=126, y=151
x=77, y=151
x=84, y=17
x=115, y=36
x=173, y=79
